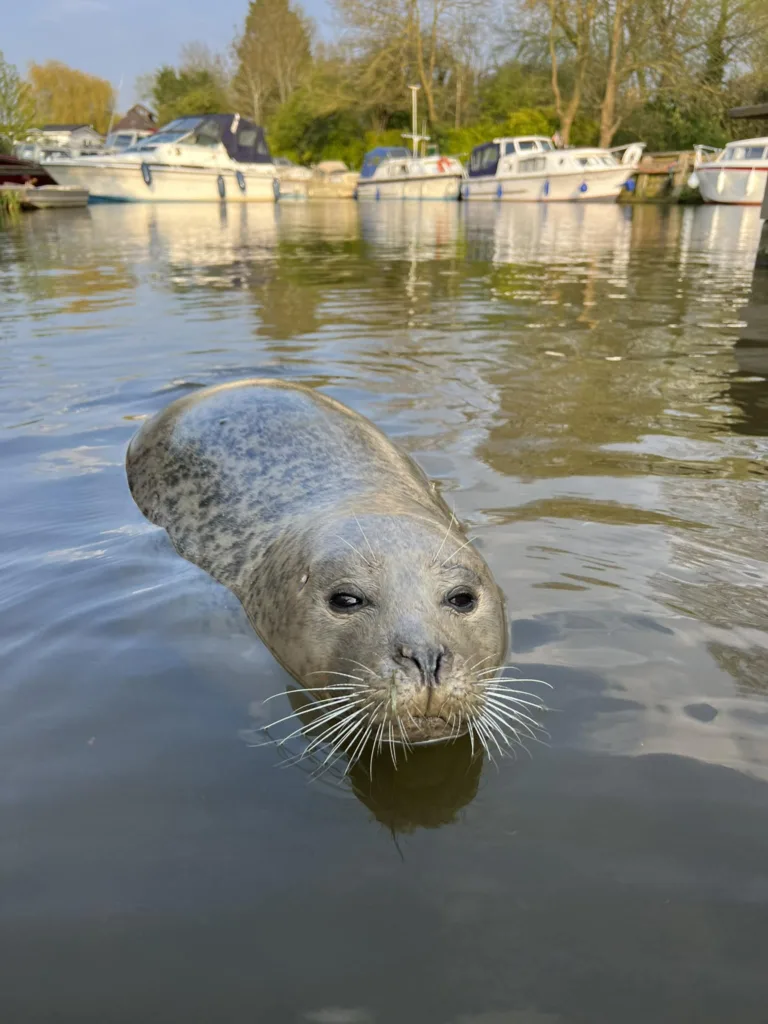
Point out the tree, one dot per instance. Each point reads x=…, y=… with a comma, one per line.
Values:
x=570, y=26
x=273, y=53
x=17, y=111
x=183, y=93
x=63, y=95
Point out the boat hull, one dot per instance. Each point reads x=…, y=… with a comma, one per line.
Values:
x=595, y=184
x=148, y=182
x=737, y=185
x=441, y=186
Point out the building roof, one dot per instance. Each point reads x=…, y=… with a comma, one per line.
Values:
x=139, y=118
x=760, y=110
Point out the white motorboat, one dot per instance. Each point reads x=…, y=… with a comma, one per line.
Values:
x=530, y=168
x=212, y=157
x=392, y=172
x=736, y=174
x=332, y=179
x=293, y=179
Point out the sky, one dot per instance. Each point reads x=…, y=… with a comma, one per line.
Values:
x=122, y=39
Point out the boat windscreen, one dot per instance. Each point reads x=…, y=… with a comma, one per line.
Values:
x=484, y=160
x=372, y=160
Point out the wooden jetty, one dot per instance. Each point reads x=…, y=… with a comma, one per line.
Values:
x=662, y=178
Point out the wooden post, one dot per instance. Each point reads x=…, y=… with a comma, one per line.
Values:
x=762, y=246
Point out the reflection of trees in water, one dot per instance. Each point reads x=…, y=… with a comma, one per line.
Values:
x=748, y=389
x=602, y=393
x=56, y=258
x=720, y=578
x=748, y=668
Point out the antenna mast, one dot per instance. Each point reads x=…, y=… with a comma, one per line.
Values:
x=413, y=134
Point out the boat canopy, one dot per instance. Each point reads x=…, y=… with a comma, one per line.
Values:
x=484, y=159
x=243, y=140
x=372, y=160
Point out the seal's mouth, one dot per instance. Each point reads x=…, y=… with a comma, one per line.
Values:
x=421, y=730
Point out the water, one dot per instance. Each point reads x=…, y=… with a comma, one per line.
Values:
x=587, y=385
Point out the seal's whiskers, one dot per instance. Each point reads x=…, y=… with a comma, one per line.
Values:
x=362, y=666
x=445, y=538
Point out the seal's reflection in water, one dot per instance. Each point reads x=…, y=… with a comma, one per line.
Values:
x=423, y=786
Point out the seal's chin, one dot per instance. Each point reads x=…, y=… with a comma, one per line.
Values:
x=423, y=730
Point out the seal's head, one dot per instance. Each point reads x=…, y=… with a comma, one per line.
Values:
x=395, y=619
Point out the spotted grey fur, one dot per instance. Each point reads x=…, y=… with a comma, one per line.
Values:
x=283, y=494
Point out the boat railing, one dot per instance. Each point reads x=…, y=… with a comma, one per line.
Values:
x=630, y=152
x=704, y=154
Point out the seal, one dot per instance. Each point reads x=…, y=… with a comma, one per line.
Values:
x=348, y=563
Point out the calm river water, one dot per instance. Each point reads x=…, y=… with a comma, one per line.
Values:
x=587, y=385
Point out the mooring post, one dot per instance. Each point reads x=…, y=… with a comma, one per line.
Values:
x=761, y=259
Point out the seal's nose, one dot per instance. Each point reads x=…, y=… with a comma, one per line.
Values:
x=427, y=658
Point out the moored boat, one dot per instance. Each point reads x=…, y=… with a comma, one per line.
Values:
x=15, y=171
x=736, y=174
x=210, y=157
x=47, y=197
x=292, y=177
x=332, y=179
x=530, y=168
x=393, y=173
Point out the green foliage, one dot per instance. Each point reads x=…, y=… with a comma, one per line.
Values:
x=17, y=110
x=10, y=205
x=181, y=93
x=514, y=86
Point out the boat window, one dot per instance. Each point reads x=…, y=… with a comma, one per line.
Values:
x=175, y=131
x=484, y=159
x=745, y=153
x=531, y=165
x=530, y=144
x=509, y=147
x=119, y=141
x=208, y=134
x=545, y=145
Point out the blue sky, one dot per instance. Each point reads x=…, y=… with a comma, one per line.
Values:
x=124, y=38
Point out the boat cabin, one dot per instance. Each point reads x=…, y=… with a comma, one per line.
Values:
x=484, y=159
x=745, y=149
x=376, y=156
x=243, y=140
x=532, y=154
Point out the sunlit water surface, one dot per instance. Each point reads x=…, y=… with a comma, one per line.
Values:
x=587, y=385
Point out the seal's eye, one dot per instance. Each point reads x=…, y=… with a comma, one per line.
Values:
x=462, y=600
x=343, y=601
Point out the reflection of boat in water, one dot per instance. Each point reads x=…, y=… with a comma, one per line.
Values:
x=429, y=231
x=200, y=244
x=549, y=234
x=211, y=157
x=724, y=236
x=529, y=168
x=320, y=219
